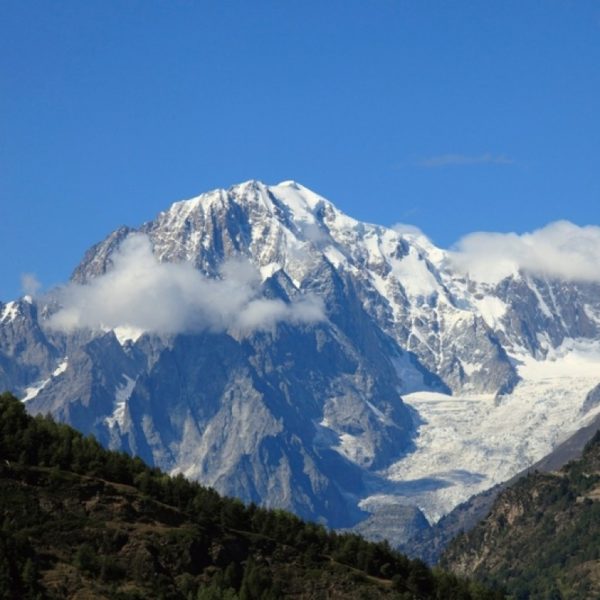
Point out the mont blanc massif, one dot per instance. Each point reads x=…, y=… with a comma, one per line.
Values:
x=260, y=341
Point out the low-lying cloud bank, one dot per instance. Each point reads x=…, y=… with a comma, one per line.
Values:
x=560, y=250
x=143, y=294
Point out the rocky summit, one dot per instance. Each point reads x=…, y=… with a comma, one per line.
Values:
x=262, y=342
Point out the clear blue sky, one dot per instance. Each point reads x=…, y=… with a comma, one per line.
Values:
x=452, y=116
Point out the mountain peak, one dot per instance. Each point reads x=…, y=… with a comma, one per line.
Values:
x=396, y=313
x=290, y=193
x=289, y=183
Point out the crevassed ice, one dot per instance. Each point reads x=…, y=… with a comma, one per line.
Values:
x=469, y=443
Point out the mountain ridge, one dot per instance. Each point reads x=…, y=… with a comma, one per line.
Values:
x=336, y=415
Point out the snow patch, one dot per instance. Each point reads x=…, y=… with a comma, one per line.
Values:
x=10, y=312
x=62, y=367
x=32, y=391
x=125, y=334
x=122, y=395
x=298, y=200
x=542, y=303
x=492, y=310
x=270, y=269
x=380, y=284
x=414, y=276
x=335, y=257
x=470, y=368
x=592, y=313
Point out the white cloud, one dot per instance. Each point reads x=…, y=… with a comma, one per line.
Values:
x=457, y=160
x=30, y=284
x=314, y=233
x=405, y=229
x=140, y=293
x=559, y=250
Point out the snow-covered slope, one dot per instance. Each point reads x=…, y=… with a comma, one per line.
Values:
x=306, y=413
x=467, y=444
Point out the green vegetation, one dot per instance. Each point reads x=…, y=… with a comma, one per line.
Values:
x=81, y=521
x=542, y=537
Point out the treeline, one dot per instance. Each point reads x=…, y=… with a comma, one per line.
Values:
x=257, y=568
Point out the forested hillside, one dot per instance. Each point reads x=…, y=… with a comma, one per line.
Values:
x=79, y=521
x=542, y=537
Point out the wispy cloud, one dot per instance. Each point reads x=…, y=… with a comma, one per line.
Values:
x=143, y=294
x=461, y=160
x=30, y=284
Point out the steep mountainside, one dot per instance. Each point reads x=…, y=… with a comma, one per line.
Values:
x=82, y=522
x=542, y=537
x=261, y=341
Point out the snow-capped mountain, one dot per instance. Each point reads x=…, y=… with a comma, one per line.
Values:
x=263, y=342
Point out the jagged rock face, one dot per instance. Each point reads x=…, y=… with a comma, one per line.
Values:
x=591, y=400
x=81, y=391
x=304, y=416
x=459, y=330
x=25, y=352
x=232, y=414
x=541, y=314
x=97, y=259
